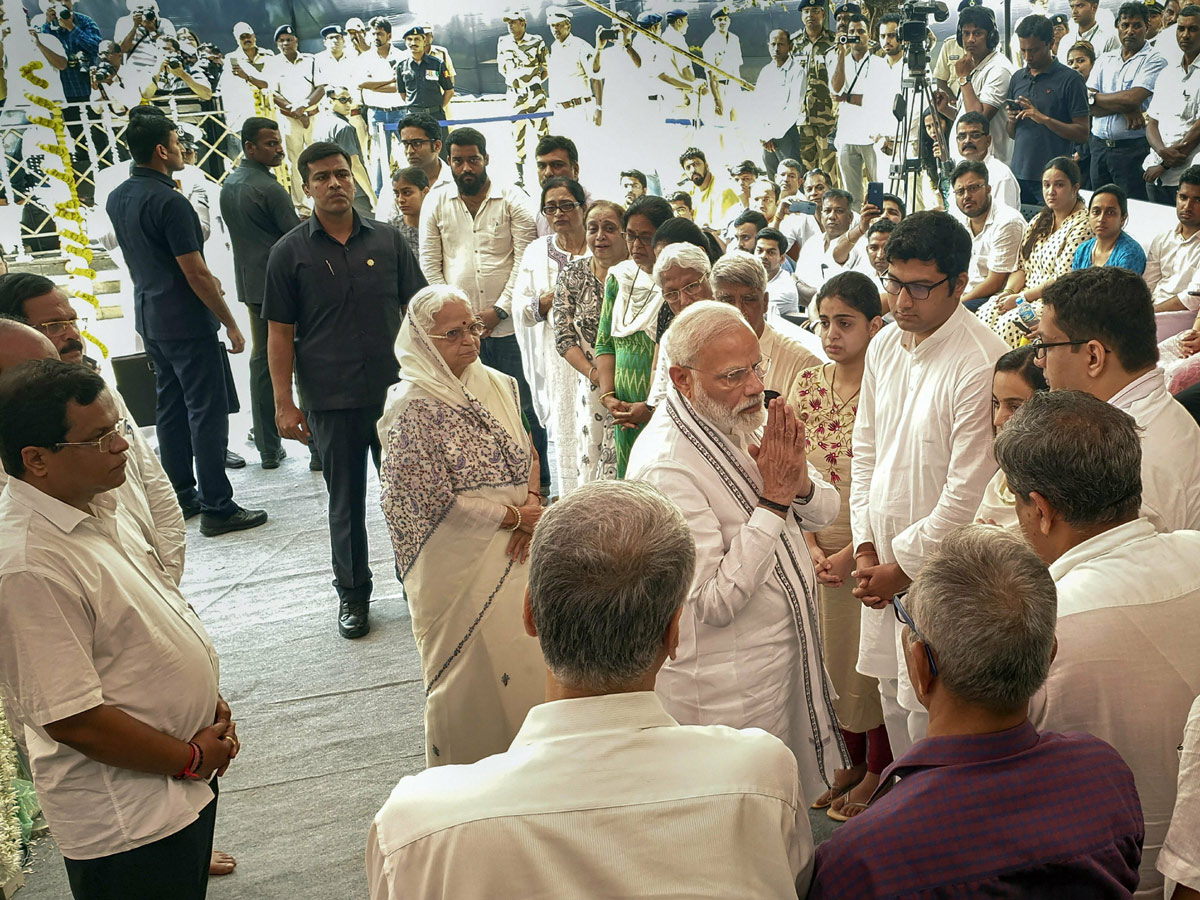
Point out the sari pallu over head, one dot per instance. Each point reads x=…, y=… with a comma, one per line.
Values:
x=446, y=438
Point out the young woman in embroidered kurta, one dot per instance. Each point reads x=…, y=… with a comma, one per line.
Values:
x=577, y=299
x=827, y=398
x=1047, y=250
x=625, y=341
x=459, y=493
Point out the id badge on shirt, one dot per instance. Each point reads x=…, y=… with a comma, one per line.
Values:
x=431, y=75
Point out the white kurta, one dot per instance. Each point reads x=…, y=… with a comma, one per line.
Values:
x=1170, y=452
x=922, y=458
x=1127, y=668
x=749, y=649
x=552, y=380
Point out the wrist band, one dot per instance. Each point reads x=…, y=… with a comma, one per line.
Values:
x=771, y=504
x=192, y=769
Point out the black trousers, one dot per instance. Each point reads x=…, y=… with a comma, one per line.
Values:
x=175, y=866
x=1121, y=164
x=786, y=147
x=262, y=395
x=193, y=420
x=344, y=438
x=504, y=355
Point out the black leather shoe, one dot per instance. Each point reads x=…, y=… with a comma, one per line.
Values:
x=272, y=460
x=233, y=461
x=352, y=618
x=190, y=509
x=211, y=525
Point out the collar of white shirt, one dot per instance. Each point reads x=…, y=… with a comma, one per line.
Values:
x=64, y=517
x=1138, y=389
x=1118, y=541
x=592, y=715
x=955, y=323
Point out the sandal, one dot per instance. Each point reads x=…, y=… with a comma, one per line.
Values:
x=826, y=799
x=840, y=815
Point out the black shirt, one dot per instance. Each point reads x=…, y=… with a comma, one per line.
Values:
x=422, y=84
x=154, y=223
x=346, y=303
x=1061, y=93
x=258, y=211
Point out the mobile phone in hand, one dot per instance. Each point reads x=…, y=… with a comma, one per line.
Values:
x=1013, y=105
x=803, y=206
x=875, y=194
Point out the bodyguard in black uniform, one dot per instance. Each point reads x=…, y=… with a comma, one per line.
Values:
x=423, y=82
x=337, y=287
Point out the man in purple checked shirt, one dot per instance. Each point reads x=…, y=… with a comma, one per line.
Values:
x=985, y=805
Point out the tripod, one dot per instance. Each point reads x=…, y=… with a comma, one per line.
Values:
x=911, y=105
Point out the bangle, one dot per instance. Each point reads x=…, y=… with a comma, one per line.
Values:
x=516, y=512
x=535, y=493
x=191, y=770
x=607, y=394
x=771, y=504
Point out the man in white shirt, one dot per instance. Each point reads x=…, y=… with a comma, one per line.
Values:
x=1126, y=669
x=473, y=238
x=103, y=664
x=982, y=74
x=609, y=573
x=338, y=66
x=1179, y=860
x=244, y=86
x=381, y=96
x=973, y=135
x=1174, y=113
x=293, y=78
x=922, y=443
x=1173, y=258
x=138, y=34
x=723, y=49
x=1086, y=27
x=864, y=87
x=996, y=231
x=817, y=263
x=570, y=82
x=749, y=649
x=770, y=246
x=684, y=103
x=778, y=103
x=1097, y=335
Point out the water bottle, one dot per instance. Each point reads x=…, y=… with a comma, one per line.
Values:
x=1027, y=317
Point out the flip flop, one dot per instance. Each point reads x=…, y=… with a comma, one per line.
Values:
x=839, y=816
x=833, y=793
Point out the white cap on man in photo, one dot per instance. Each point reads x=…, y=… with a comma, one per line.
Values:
x=241, y=28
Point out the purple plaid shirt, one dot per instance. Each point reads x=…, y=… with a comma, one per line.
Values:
x=1013, y=814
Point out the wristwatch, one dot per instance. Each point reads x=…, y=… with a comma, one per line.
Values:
x=963, y=79
x=500, y=313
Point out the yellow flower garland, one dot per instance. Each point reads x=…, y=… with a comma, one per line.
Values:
x=72, y=230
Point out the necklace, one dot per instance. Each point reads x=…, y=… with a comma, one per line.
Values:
x=838, y=407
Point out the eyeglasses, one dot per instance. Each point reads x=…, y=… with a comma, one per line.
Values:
x=552, y=208
x=969, y=189
x=916, y=291
x=454, y=335
x=459, y=161
x=1040, y=347
x=417, y=142
x=690, y=289
x=905, y=619
x=60, y=327
x=738, y=377
x=104, y=443
x=632, y=238
x=970, y=135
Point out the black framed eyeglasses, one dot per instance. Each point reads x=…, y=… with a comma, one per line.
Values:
x=916, y=291
x=905, y=619
x=414, y=143
x=551, y=209
x=1040, y=347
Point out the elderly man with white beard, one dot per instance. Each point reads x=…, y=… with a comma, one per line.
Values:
x=749, y=653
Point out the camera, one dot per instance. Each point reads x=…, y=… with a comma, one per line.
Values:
x=609, y=34
x=176, y=61
x=847, y=39
x=146, y=12
x=915, y=26
x=102, y=73
x=78, y=60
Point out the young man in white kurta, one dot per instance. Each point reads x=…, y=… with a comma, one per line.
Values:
x=922, y=444
x=749, y=650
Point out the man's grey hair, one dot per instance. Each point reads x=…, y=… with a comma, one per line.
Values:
x=703, y=321
x=1082, y=454
x=685, y=256
x=987, y=607
x=609, y=566
x=428, y=302
x=739, y=267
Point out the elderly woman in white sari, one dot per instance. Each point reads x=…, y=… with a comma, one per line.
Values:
x=460, y=497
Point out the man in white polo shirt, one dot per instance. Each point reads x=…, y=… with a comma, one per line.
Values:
x=996, y=231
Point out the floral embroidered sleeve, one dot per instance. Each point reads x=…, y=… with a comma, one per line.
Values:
x=604, y=339
x=566, y=293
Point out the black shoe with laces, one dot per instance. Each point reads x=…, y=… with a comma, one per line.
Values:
x=352, y=618
x=240, y=520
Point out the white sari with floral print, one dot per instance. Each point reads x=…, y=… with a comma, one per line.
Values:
x=456, y=453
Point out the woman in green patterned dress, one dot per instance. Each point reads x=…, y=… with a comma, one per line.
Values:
x=625, y=342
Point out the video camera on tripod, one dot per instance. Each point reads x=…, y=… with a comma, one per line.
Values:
x=914, y=26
